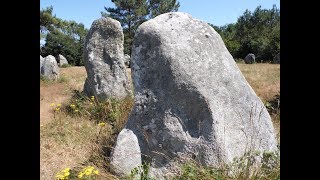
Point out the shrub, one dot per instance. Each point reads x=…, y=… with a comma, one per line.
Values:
x=246, y=167
x=65, y=65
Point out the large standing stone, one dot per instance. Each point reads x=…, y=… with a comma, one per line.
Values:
x=41, y=62
x=104, y=60
x=191, y=99
x=50, y=68
x=62, y=60
x=250, y=58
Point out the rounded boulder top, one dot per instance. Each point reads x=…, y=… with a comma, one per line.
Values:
x=104, y=60
x=107, y=26
x=191, y=99
x=250, y=58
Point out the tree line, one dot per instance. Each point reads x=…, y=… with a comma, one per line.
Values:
x=132, y=13
x=61, y=37
x=255, y=32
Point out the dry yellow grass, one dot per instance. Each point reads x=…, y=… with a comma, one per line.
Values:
x=264, y=79
x=72, y=141
x=67, y=141
x=59, y=92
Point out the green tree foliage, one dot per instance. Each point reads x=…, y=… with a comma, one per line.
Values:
x=255, y=32
x=132, y=13
x=62, y=37
x=158, y=7
x=47, y=20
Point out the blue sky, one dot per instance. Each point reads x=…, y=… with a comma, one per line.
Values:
x=217, y=12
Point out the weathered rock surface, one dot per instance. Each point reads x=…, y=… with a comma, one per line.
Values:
x=127, y=60
x=49, y=68
x=250, y=58
x=104, y=60
x=62, y=60
x=191, y=100
x=127, y=153
x=41, y=62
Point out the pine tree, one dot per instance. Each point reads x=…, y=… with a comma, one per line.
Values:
x=158, y=7
x=132, y=13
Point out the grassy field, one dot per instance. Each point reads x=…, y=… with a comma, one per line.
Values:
x=72, y=130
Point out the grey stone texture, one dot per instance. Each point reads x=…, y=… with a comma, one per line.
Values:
x=49, y=68
x=41, y=62
x=250, y=59
x=127, y=60
x=104, y=60
x=62, y=60
x=191, y=100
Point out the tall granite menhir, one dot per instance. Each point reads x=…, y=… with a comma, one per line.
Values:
x=104, y=60
x=191, y=100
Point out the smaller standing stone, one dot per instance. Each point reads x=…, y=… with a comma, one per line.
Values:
x=50, y=68
x=41, y=62
x=276, y=59
x=126, y=154
x=250, y=59
x=62, y=60
x=127, y=60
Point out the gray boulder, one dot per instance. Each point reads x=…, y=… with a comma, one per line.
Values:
x=191, y=100
x=50, y=68
x=104, y=60
x=127, y=60
x=41, y=62
x=127, y=147
x=62, y=60
x=276, y=59
x=250, y=59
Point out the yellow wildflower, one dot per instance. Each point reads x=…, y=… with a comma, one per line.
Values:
x=76, y=110
x=57, y=109
x=96, y=172
x=87, y=172
x=102, y=124
x=59, y=177
x=52, y=104
x=72, y=106
x=80, y=175
x=66, y=170
x=63, y=174
x=66, y=173
x=92, y=98
x=59, y=105
x=91, y=103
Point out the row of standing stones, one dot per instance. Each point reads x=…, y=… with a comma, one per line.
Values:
x=49, y=66
x=190, y=98
x=251, y=58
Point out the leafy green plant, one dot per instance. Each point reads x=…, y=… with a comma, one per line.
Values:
x=193, y=171
x=141, y=171
x=246, y=167
x=112, y=111
x=62, y=79
x=65, y=65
